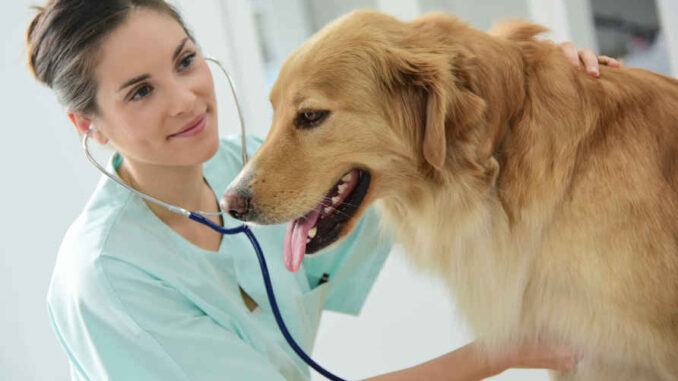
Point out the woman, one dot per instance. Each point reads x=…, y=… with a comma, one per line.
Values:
x=141, y=293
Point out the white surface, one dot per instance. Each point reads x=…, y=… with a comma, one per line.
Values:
x=668, y=16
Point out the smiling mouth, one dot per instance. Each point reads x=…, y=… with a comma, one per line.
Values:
x=322, y=226
x=194, y=128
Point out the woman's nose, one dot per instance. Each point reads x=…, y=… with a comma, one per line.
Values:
x=183, y=99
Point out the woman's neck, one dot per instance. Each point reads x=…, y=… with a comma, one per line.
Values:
x=183, y=186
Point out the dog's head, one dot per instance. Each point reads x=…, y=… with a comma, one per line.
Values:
x=362, y=109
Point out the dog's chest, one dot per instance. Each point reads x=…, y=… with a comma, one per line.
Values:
x=471, y=251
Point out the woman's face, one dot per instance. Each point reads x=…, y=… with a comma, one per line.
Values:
x=155, y=93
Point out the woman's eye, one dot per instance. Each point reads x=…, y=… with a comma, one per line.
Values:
x=310, y=118
x=187, y=61
x=141, y=92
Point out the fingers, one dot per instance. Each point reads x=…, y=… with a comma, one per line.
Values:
x=609, y=61
x=587, y=58
x=570, y=52
x=558, y=358
x=546, y=356
x=590, y=60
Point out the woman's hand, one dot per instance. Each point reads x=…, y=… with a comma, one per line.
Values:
x=470, y=363
x=588, y=58
x=537, y=355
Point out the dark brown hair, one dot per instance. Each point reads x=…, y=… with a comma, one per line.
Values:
x=64, y=39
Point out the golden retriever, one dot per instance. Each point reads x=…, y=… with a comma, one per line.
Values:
x=546, y=200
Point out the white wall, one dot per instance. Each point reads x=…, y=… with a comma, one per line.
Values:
x=45, y=183
x=482, y=14
x=668, y=15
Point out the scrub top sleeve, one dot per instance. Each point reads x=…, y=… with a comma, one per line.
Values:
x=352, y=265
x=176, y=340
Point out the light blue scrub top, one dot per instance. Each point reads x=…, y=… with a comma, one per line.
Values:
x=130, y=299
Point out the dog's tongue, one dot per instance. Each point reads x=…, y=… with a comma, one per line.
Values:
x=295, y=239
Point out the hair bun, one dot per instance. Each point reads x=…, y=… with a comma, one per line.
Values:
x=34, y=37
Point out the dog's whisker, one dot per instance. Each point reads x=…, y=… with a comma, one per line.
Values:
x=337, y=211
x=326, y=203
x=342, y=203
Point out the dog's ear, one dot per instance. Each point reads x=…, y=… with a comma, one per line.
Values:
x=446, y=82
x=434, y=147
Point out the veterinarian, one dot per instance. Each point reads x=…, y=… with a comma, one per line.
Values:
x=140, y=293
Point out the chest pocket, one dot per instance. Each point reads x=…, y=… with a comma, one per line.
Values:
x=311, y=304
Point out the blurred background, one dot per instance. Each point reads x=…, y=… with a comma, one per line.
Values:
x=408, y=317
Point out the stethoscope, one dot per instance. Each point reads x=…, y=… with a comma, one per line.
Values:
x=199, y=217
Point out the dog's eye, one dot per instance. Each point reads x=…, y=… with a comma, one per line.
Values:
x=310, y=118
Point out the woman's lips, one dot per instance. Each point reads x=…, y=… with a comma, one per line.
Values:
x=193, y=129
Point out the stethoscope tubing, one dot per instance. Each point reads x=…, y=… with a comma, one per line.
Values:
x=269, y=290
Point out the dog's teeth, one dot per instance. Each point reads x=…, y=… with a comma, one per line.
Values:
x=342, y=187
x=312, y=232
x=347, y=177
x=308, y=240
x=328, y=210
x=335, y=200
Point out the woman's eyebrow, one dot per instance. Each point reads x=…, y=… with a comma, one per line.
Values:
x=179, y=49
x=144, y=77
x=134, y=80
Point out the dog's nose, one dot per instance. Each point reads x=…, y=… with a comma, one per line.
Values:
x=236, y=204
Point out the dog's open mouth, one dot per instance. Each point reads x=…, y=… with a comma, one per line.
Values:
x=321, y=226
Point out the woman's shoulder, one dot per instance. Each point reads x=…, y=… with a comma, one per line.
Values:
x=111, y=221
x=234, y=142
x=79, y=284
x=230, y=147
x=222, y=168
x=88, y=234
x=105, y=249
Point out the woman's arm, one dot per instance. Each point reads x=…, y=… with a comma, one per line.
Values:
x=468, y=363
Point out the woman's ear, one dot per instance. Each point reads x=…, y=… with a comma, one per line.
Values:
x=83, y=124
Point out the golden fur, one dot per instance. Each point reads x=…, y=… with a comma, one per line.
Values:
x=546, y=199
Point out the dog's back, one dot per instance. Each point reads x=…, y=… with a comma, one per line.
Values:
x=608, y=259
x=578, y=240
x=611, y=242
x=591, y=167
